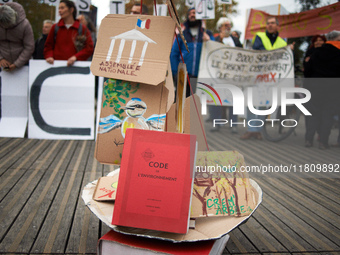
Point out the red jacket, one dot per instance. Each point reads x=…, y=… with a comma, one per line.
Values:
x=64, y=47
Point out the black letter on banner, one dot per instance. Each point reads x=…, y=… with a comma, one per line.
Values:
x=86, y=5
x=35, y=96
x=117, y=3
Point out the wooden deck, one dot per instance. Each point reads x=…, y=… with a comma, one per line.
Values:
x=41, y=210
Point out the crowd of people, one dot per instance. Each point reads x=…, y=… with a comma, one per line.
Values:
x=72, y=39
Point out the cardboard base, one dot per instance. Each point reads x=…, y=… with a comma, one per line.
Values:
x=205, y=229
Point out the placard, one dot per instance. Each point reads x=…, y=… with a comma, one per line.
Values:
x=5, y=1
x=221, y=66
x=83, y=5
x=61, y=100
x=13, y=102
x=117, y=7
x=205, y=9
x=162, y=10
x=190, y=3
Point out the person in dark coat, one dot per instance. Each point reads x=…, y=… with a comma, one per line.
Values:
x=16, y=37
x=40, y=42
x=194, y=35
x=323, y=73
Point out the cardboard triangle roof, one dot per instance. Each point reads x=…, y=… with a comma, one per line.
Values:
x=133, y=34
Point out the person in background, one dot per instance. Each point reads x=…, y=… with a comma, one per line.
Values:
x=136, y=9
x=323, y=68
x=64, y=42
x=195, y=35
x=224, y=26
x=40, y=42
x=16, y=37
x=316, y=42
x=87, y=22
x=236, y=34
x=269, y=40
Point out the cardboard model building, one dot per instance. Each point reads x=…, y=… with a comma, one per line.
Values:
x=133, y=52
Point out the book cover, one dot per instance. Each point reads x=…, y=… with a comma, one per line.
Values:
x=155, y=181
x=117, y=243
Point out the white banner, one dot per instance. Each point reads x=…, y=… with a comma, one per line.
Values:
x=221, y=66
x=205, y=9
x=117, y=7
x=83, y=5
x=61, y=100
x=162, y=10
x=13, y=102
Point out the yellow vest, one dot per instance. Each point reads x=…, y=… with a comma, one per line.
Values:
x=279, y=42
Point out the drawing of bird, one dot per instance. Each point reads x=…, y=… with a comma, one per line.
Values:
x=134, y=109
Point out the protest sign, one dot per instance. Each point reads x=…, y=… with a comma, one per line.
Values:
x=117, y=7
x=317, y=21
x=221, y=66
x=83, y=5
x=61, y=100
x=205, y=9
x=13, y=102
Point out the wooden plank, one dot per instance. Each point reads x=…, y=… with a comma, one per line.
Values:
x=317, y=195
x=327, y=184
x=55, y=231
x=290, y=239
x=24, y=230
x=308, y=210
x=238, y=243
x=24, y=151
x=85, y=227
x=8, y=145
x=261, y=238
x=306, y=231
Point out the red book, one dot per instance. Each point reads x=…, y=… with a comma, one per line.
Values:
x=117, y=243
x=155, y=181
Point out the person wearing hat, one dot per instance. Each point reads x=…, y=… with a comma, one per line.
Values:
x=194, y=35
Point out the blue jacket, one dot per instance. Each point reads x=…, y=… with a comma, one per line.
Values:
x=192, y=58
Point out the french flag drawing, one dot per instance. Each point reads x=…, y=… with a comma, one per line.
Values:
x=143, y=24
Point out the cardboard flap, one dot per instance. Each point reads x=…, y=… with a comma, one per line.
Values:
x=134, y=48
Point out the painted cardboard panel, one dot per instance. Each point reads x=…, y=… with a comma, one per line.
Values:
x=134, y=48
x=106, y=188
x=127, y=105
x=192, y=120
x=220, y=186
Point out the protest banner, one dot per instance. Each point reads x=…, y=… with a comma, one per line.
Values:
x=61, y=100
x=13, y=102
x=222, y=66
x=317, y=21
